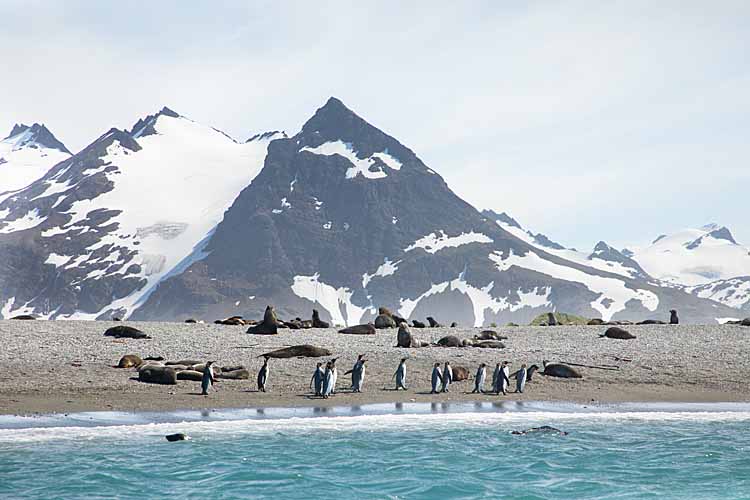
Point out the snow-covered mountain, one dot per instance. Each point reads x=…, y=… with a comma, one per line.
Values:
x=174, y=219
x=94, y=235
x=26, y=154
x=706, y=262
x=602, y=257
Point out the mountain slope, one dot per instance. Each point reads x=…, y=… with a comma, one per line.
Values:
x=346, y=218
x=94, y=235
x=26, y=154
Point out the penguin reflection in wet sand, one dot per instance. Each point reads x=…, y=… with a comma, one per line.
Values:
x=317, y=379
x=479, y=379
x=400, y=375
x=437, y=378
x=447, y=376
x=521, y=379
x=263, y=376
x=208, y=378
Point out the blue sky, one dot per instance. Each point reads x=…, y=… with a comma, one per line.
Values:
x=587, y=121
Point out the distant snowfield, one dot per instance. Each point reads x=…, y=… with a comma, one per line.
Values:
x=613, y=292
x=693, y=257
x=172, y=193
x=366, y=167
x=733, y=292
x=433, y=242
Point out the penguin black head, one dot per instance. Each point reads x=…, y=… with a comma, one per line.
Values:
x=404, y=359
x=437, y=365
x=320, y=364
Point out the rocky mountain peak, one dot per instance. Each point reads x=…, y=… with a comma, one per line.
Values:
x=145, y=126
x=34, y=136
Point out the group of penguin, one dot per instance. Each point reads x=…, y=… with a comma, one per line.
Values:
x=323, y=380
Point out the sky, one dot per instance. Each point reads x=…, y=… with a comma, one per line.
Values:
x=587, y=121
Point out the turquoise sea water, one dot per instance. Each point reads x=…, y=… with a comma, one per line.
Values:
x=459, y=451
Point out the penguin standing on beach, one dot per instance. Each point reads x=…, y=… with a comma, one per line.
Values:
x=437, y=378
x=505, y=377
x=521, y=379
x=355, y=371
x=479, y=379
x=263, y=375
x=317, y=379
x=208, y=378
x=400, y=375
x=496, y=379
x=335, y=374
x=328, y=380
x=447, y=376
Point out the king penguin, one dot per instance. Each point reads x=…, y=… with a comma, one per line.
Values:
x=437, y=378
x=263, y=375
x=479, y=379
x=317, y=379
x=447, y=376
x=400, y=375
x=208, y=378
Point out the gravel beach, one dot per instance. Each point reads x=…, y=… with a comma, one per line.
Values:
x=67, y=366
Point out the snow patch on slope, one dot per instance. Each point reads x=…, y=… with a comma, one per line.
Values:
x=387, y=268
x=433, y=243
x=337, y=301
x=613, y=292
x=366, y=167
x=28, y=221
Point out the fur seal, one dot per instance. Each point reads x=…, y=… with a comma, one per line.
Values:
x=450, y=341
x=184, y=362
x=454, y=325
x=263, y=376
x=317, y=379
x=130, y=361
x=447, y=376
x=231, y=321
x=368, y=329
x=559, y=370
x=208, y=378
x=433, y=323
x=460, y=373
x=673, y=319
x=400, y=375
x=317, y=322
x=551, y=321
x=651, y=322
x=417, y=324
x=437, y=378
x=156, y=374
x=269, y=325
x=190, y=320
x=615, y=332
x=542, y=429
x=479, y=379
x=298, y=351
x=125, y=332
x=177, y=437
x=384, y=321
x=595, y=322
x=489, y=335
x=24, y=317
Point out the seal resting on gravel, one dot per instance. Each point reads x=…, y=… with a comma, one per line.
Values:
x=403, y=337
x=125, y=332
x=651, y=322
x=269, y=325
x=449, y=341
x=433, y=323
x=489, y=335
x=417, y=324
x=384, y=321
x=24, y=317
x=460, y=373
x=155, y=374
x=595, y=322
x=231, y=321
x=239, y=374
x=297, y=351
x=193, y=375
x=559, y=370
x=317, y=322
x=190, y=320
x=368, y=329
x=130, y=361
x=615, y=332
x=485, y=344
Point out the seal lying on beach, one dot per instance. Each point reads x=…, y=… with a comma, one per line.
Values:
x=651, y=322
x=484, y=344
x=297, y=351
x=269, y=325
x=384, y=321
x=130, y=361
x=417, y=324
x=368, y=329
x=449, y=341
x=460, y=373
x=237, y=374
x=433, y=323
x=155, y=374
x=615, y=332
x=231, y=321
x=489, y=335
x=126, y=332
x=25, y=317
x=559, y=370
x=542, y=429
x=193, y=375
